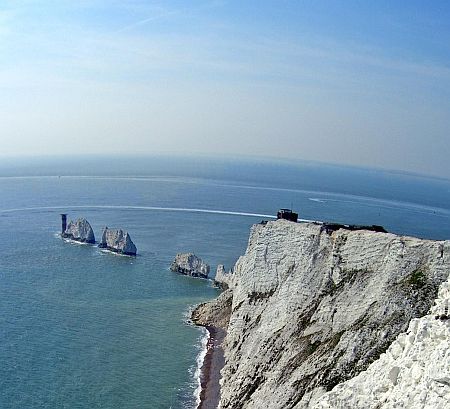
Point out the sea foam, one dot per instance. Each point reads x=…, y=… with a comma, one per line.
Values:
x=200, y=358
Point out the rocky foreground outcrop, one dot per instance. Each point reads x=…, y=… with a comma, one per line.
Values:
x=118, y=241
x=190, y=264
x=413, y=373
x=80, y=231
x=308, y=309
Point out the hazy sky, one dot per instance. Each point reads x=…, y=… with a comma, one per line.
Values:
x=355, y=82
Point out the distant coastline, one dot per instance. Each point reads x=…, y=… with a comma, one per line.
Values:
x=179, y=164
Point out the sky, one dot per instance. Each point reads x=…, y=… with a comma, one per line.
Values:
x=360, y=83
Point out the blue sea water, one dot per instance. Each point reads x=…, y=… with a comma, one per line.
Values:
x=80, y=328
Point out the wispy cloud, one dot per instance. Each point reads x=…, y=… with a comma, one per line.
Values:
x=147, y=21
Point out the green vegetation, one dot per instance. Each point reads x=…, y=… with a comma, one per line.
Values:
x=417, y=278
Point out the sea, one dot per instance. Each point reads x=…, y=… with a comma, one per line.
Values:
x=84, y=328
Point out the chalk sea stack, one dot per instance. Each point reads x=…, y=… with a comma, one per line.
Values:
x=118, y=241
x=309, y=309
x=80, y=231
x=222, y=277
x=190, y=264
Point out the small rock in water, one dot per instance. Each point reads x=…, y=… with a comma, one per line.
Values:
x=190, y=264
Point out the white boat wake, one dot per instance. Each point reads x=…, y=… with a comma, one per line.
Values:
x=153, y=208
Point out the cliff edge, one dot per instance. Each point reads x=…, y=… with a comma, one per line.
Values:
x=309, y=309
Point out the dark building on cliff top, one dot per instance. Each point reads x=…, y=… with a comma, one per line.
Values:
x=287, y=214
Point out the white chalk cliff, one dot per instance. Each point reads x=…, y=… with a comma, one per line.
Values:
x=80, y=231
x=413, y=373
x=309, y=310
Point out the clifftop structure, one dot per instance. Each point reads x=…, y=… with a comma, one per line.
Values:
x=287, y=214
x=331, y=227
x=290, y=215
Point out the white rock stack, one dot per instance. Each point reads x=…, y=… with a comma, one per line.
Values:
x=222, y=276
x=118, y=241
x=80, y=231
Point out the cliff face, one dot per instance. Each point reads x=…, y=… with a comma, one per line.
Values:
x=80, y=231
x=311, y=309
x=118, y=241
x=413, y=373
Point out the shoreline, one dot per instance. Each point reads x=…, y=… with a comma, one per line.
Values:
x=213, y=362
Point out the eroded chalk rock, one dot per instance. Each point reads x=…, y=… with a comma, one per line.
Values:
x=190, y=264
x=80, y=231
x=222, y=277
x=118, y=241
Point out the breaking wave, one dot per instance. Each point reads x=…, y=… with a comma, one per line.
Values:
x=198, y=370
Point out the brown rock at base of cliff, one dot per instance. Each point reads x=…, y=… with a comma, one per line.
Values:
x=215, y=313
